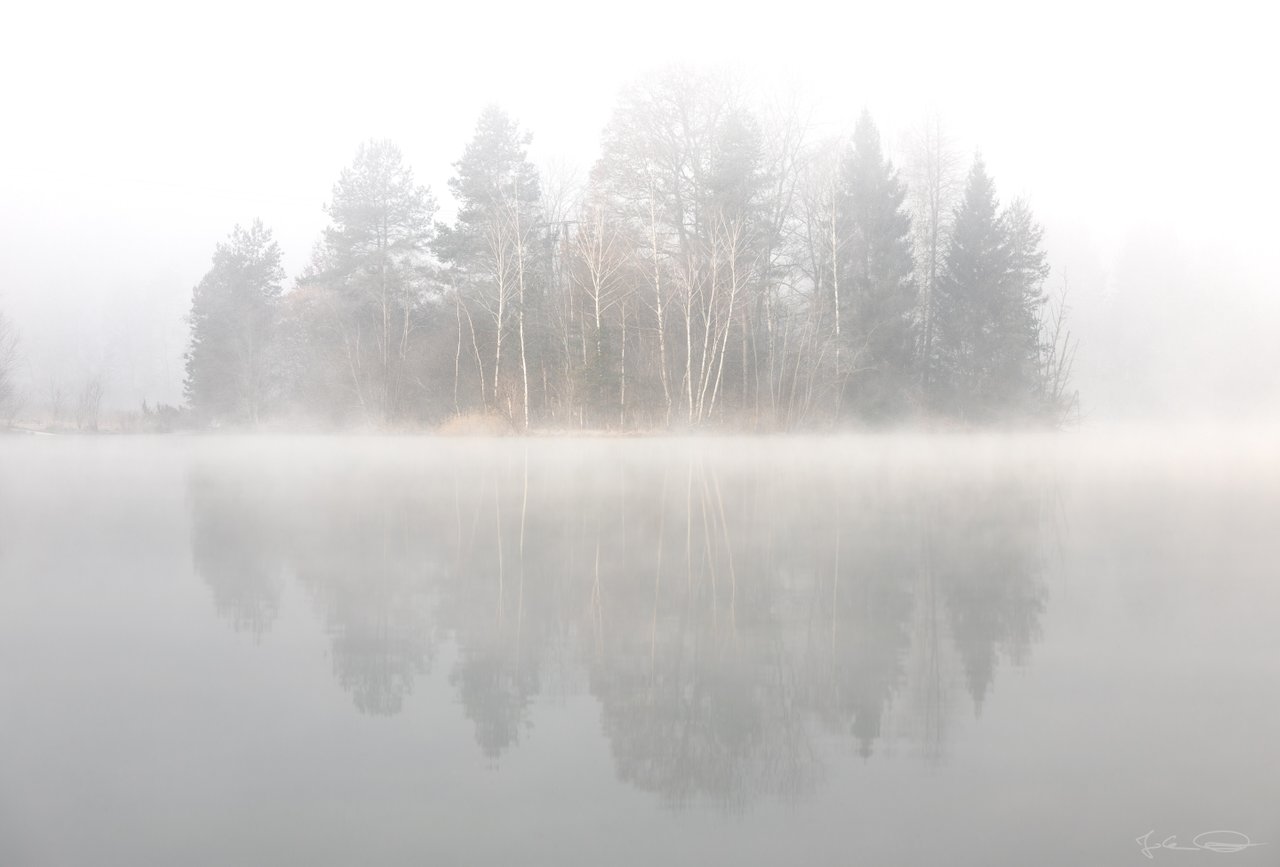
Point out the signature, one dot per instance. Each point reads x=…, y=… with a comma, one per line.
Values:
x=1222, y=842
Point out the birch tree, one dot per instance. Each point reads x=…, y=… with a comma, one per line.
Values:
x=681, y=168
x=495, y=253
x=602, y=260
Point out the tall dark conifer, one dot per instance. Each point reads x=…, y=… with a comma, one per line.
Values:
x=988, y=316
x=878, y=294
x=1017, y=368
x=233, y=314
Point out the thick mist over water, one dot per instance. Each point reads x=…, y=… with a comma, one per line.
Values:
x=668, y=650
x=680, y=433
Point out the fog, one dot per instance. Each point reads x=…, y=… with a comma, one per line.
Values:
x=966, y=650
x=673, y=433
x=138, y=134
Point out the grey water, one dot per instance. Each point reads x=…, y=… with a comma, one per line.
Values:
x=917, y=650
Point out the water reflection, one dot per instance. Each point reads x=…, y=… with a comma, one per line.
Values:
x=235, y=551
x=729, y=618
x=353, y=551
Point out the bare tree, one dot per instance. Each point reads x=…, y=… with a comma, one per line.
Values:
x=1057, y=359
x=814, y=358
x=522, y=242
x=499, y=299
x=785, y=132
x=89, y=403
x=562, y=194
x=9, y=397
x=57, y=401
x=935, y=183
x=601, y=257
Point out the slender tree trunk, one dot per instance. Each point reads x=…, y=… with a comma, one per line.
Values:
x=688, y=342
x=457, y=356
x=733, y=294
x=475, y=347
x=835, y=273
x=657, y=295
x=622, y=388
x=524, y=365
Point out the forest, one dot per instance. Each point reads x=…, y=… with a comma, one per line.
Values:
x=717, y=268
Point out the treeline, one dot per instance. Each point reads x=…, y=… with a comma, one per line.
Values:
x=716, y=268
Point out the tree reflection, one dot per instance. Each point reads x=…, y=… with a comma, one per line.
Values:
x=699, y=694
x=855, y=659
x=359, y=553
x=235, y=549
x=730, y=618
x=351, y=544
x=989, y=563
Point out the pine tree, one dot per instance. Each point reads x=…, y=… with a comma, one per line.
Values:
x=878, y=293
x=735, y=181
x=373, y=271
x=233, y=314
x=494, y=251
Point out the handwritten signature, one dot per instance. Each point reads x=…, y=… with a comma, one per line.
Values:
x=1223, y=842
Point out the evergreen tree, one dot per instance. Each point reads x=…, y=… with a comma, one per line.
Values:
x=736, y=178
x=493, y=175
x=968, y=301
x=495, y=251
x=372, y=271
x=230, y=371
x=1017, y=369
x=878, y=293
x=988, y=323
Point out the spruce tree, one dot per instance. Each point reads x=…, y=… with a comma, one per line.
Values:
x=969, y=302
x=988, y=309
x=1017, y=370
x=878, y=293
x=230, y=373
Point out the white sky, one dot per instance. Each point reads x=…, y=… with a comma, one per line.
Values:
x=135, y=135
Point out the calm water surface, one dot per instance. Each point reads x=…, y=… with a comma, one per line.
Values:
x=914, y=651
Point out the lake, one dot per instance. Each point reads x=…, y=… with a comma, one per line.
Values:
x=916, y=650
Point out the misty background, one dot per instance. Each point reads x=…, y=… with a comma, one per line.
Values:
x=1142, y=135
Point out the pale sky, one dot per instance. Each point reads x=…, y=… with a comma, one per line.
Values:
x=136, y=135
